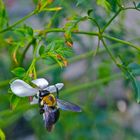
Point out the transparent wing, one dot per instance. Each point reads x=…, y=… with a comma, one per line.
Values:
x=64, y=105
x=34, y=101
x=22, y=89
x=40, y=82
x=53, y=88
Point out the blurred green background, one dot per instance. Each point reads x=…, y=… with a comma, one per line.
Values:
x=109, y=110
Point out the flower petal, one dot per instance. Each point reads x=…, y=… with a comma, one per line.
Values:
x=22, y=89
x=53, y=89
x=41, y=83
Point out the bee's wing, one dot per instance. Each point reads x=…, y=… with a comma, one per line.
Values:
x=22, y=89
x=65, y=105
x=40, y=82
x=34, y=101
x=53, y=88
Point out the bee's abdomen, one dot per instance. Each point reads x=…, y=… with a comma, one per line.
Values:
x=51, y=117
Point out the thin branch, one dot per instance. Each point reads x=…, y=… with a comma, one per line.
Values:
x=109, y=51
x=91, y=34
x=91, y=84
x=25, y=51
x=18, y=22
x=121, y=41
x=109, y=22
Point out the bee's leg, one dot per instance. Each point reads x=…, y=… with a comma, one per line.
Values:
x=41, y=111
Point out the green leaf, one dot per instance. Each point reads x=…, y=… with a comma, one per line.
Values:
x=19, y=71
x=41, y=50
x=29, y=30
x=113, y=4
x=138, y=6
x=134, y=68
x=14, y=101
x=136, y=86
x=104, y=3
x=89, y=11
x=3, y=15
x=2, y=135
x=57, y=51
x=52, y=9
x=42, y=4
x=135, y=83
x=72, y=26
x=80, y=2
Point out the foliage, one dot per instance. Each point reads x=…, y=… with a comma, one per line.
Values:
x=47, y=51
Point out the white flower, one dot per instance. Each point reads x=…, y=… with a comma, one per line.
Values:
x=22, y=89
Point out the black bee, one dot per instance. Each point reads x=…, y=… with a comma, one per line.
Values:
x=43, y=95
x=50, y=105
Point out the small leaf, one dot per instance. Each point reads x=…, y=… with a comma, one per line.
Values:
x=79, y=2
x=42, y=50
x=72, y=26
x=14, y=101
x=138, y=6
x=104, y=3
x=52, y=9
x=29, y=30
x=134, y=68
x=135, y=83
x=19, y=71
x=2, y=135
x=136, y=86
x=134, y=3
x=3, y=15
x=89, y=11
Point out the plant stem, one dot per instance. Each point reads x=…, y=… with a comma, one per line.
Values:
x=25, y=51
x=90, y=84
x=92, y=34
x=121, y=41
x=109, y=51
x=109, y=22
x=18, y=22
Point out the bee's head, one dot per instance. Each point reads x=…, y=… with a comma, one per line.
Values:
x=43, y=93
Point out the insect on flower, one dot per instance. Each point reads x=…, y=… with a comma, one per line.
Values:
x=44, y=96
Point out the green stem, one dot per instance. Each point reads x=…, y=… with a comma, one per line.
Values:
x=90, y=84
x=109, y=51
x=109, y=22
x=97, y=48
x=18, y=22
x=131, y=8
x=121, y=41
x=92, y=34
x=25, y=51
x=96, y=23
x=62, y=30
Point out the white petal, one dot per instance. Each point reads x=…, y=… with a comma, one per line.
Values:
x=59, y=85
x=22, y=89
x=53, y=88
x=41, y=83
x=34, y=101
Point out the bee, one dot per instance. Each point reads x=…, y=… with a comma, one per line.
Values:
x=49, y=103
